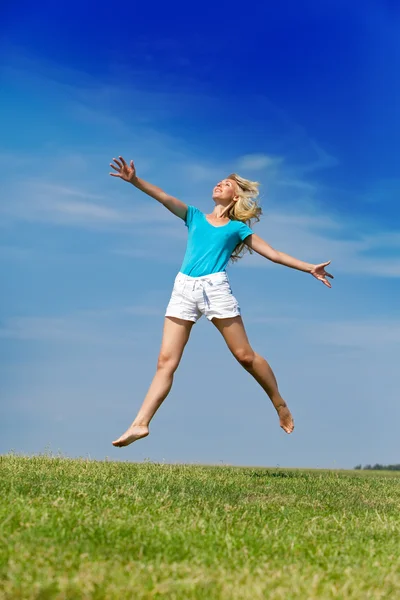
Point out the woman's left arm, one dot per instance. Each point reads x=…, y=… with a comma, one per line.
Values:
x=261, y=247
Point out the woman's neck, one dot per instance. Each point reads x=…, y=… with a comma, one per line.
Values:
x=220, y=211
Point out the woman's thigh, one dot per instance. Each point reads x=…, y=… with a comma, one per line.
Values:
x=176, y=334
x=234, y=334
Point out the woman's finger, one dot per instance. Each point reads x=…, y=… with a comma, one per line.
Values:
x=118, y=163
x=323, y=279
x=115, y=174
x=329, y=275
x=123, y=161
x=113, y=167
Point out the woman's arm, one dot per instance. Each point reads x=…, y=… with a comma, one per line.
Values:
x=128, y=174
x=261, y=247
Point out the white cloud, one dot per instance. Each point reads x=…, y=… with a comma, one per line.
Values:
x=204, y=173
x=384, y=192
x=61, y=212
x=93, y=327
x=60, y=190
x=98, y=117
x=297, y=183
x=303, y=220
x=305, y=229
x=112, y=326
x=321, y=237
x=172, y=256
x=383, y=267
x=85, y=211
x=258, y=162
x=47, y=329
x=44, y=201
x=383, y=239
x=295, y=220
x=75, y=190
x=367, y=334
x=323, y=160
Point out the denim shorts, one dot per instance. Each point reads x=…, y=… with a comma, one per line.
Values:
x=210, y=295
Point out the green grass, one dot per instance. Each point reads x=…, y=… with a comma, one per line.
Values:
x=77, y=529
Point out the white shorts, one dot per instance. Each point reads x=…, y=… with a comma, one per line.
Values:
x=210, y=295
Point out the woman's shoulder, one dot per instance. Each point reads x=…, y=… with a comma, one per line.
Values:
x=242, y=230
x=240, y=224
x=192, y=212
x=193, y=208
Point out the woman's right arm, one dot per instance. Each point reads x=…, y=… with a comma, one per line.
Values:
x=128, y=174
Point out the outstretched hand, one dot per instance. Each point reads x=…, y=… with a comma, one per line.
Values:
x=319, y=272
x=124, y=171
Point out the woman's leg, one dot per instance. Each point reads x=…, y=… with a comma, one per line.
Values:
x=235, y=336
x=175, y=336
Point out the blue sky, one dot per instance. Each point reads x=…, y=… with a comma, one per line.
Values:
x=300, y=96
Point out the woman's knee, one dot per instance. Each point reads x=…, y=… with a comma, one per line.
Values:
x=245, y=356
x=167, y=362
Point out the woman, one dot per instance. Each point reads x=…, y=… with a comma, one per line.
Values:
x=202, y=287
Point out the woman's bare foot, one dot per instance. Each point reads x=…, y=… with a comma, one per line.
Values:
x=135, y=432
x=285, y=419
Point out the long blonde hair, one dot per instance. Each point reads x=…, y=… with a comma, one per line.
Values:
x=245, y=209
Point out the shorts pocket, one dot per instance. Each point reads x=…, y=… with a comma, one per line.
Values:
x=179, y=284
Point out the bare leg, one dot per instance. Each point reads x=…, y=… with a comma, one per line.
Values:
x=175, y=336
x=235, y=336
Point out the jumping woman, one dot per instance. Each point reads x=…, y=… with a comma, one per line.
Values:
x=202, y=287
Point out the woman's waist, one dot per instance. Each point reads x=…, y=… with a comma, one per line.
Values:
x=214, y=277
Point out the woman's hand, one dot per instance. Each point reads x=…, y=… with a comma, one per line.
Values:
x=128, y=173
x=318, y=271
x=124, y=171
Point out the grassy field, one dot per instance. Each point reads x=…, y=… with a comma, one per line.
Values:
x=77, y=529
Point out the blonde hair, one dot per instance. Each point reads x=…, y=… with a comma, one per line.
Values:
x=245, y=209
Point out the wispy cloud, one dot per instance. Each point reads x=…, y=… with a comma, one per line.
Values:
x=368, y=334
x=48, y=329
x=323, y=159
x=38, y=200
x=297, y=219
x=319, y=237
x=167, y=254
x=60, y=190
x=307, y=231
x=384, y=191
x=258, y=162
x=199, y=172
x=97, y=326
x=111, y=326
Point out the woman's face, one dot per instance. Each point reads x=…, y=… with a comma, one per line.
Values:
x=225, y=191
